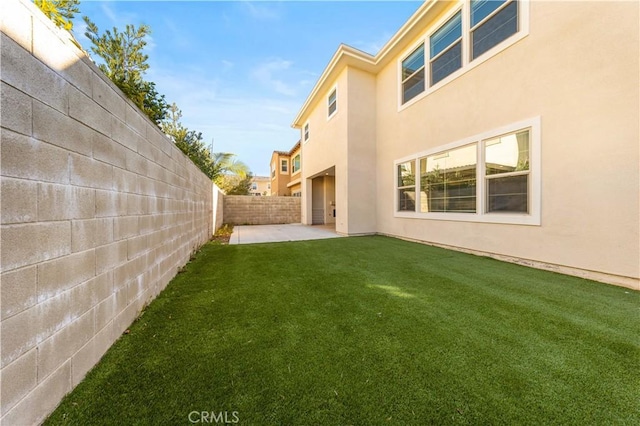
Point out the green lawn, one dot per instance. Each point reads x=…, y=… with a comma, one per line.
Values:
x=369, y=330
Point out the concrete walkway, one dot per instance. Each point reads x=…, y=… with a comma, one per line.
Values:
x=274, y=233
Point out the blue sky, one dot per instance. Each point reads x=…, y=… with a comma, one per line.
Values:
x=240, y=70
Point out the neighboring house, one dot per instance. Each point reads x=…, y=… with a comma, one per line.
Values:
x=286, y=167
x=505, y=128
x=260, y=185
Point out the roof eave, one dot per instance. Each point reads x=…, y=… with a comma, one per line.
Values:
x=350, y=56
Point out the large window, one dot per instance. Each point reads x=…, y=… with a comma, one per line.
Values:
x=407, y=186
x=413, y=74
x=459, y=42
x=332, y=102
x=492, y=21
x=295, y=164
x=448, y=181
x=492, y=177
x=446, y=49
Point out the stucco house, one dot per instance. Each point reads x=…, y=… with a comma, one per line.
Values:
x=260, y=185
x=286, y=167
x=502, y=128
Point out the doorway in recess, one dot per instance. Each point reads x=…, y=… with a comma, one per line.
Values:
x=323, y=199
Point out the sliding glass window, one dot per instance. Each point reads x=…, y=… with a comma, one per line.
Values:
x=448, y=181
x=446, y=49
x=407, y=186
x=413, y=74
x=492, y=21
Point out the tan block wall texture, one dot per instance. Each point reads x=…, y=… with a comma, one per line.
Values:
x=98, y=211
x=250, y=210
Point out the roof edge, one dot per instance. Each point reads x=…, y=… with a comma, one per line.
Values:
x=368, y=61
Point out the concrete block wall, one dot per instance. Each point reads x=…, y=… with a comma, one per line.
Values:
x=251, y=210
x=98, y=211
x=218, y=207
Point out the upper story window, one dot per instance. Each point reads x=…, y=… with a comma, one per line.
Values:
x=284, y=166
x=413, y=74
x=493, y=177
x=446, y=49
x=332, y=102
x=492, y=21
x=295, y=164
x=254, y=186
x=273, y=170
x=466, y=37
x=306, y=132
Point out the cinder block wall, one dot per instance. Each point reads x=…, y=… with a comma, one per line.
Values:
x=98, y=211
x=218, y=207
x=251, y=210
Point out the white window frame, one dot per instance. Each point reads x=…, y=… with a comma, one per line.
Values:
x=334, y=90
x=306, y=134
x=533, y=217
x=415, y=47
x=295, y=172
x=284, y=162
x=467, y=63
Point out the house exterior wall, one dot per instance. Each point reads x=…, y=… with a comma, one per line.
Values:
x=294, y=185
x=561, y=72
x=361, y=152
x=99, y=210
x=279, y=180
x=326, y=149
x=570, y=74
x=263, y=185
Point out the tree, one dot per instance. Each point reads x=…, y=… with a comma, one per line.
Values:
x=125, y=63
x=61, y=12
x=234, y=184
x=225, y=163
x=190, y=142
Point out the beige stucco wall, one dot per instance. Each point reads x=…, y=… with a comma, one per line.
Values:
x=573, y=68
x=250, y=210
x=325, y=149
x=98, y=209
x=361, y=154
x=578, y=71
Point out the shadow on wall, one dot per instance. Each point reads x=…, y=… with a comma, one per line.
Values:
x=99, y=210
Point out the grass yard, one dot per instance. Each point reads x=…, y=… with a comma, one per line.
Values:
x=366, y=331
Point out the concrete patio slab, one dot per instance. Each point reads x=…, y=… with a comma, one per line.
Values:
x=276, y=233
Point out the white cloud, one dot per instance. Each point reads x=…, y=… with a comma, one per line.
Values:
x=239, y=120
x=373, y=46
x=79, y=28
x=226, y=65
x=261, y=12
x=151, y=44
x=268, y=72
